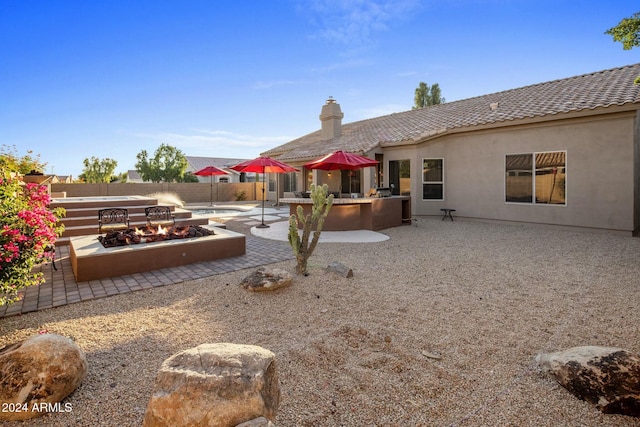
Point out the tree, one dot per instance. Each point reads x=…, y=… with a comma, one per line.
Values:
x=426, y=96
x=189, y=177
x=97, y=170
x=121, y=177
x=627, y=32
x=167, y=165
x=21, y=164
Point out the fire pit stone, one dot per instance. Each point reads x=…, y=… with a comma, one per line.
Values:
x=90, y=260
x=135, y=236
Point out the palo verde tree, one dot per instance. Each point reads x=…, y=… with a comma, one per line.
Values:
x=97, y=171
x=168, y=164
x=627, y=32
x=302, y=248
x=426, y=96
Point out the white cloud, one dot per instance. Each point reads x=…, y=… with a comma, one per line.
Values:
x=353, y=63
x=354, y=21
x=216, y=143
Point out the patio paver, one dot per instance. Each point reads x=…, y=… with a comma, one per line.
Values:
x=60, y=287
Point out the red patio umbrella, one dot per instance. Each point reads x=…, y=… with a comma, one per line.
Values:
x=263, y=165
x=210, y=171
x=341, y=160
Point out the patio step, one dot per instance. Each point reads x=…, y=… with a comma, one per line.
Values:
x=103, y=202
x=93, y=229
x=82, y=214
x=90, y=216
x=92, y=211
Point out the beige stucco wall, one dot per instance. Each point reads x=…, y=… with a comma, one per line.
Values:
x=599, y=164
x=636, y=176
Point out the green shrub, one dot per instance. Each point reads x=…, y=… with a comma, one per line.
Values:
x=28, y=231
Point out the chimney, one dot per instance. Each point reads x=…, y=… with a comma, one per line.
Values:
x=331, y=119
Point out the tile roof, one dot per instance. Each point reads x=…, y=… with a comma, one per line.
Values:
x=196, y=163
x=133, y=174
x=598, y=90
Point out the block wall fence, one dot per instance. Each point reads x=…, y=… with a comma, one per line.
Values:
x=188, y=192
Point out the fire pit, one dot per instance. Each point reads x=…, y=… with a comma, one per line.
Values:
x=91, y=260
x=135, y=236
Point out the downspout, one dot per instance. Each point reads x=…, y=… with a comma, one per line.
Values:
x=636, y=175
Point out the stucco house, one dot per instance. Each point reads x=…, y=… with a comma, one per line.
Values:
x=564, y=152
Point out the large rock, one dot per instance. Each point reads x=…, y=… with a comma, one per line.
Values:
x=220, y=385
x=341, y=269
x=257, y=422
x=605, y=376
x=37, y=373
x=267, y=279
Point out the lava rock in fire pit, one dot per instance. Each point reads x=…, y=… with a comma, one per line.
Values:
x=134, y=236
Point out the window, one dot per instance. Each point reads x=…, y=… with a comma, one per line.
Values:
x=400, y=177
x=272, y=182
x=223, y=179
x=289, y=182
x=350, y=181
x=432, y=179
x=537, y=178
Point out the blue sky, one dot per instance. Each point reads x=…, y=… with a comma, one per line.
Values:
x=233, y=78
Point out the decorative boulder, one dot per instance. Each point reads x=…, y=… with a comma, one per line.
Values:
x=220, y=385
x=257, y=422
x=340, y=269
x=37, y=373
x=605, y=376
x=267, y=279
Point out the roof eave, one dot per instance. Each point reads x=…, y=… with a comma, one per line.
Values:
x=585, y=113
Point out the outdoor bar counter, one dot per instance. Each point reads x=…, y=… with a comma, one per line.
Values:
x=365, y=213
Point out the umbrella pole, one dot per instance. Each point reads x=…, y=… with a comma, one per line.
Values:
x=264, y=183
x=211, y=192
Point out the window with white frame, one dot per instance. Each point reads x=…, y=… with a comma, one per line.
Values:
x=536, y=178
x=432, y=179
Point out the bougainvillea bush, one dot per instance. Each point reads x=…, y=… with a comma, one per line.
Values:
x=28, y=231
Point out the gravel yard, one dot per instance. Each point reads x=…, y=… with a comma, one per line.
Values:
x=438, y=327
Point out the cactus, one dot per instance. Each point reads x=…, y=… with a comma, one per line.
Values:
x=302, y=248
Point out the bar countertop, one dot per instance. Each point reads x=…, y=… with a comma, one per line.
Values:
x=363, y=213
x=339, y=200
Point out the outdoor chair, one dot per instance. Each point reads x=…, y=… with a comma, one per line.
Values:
x=159, y=215
x=113, y=219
